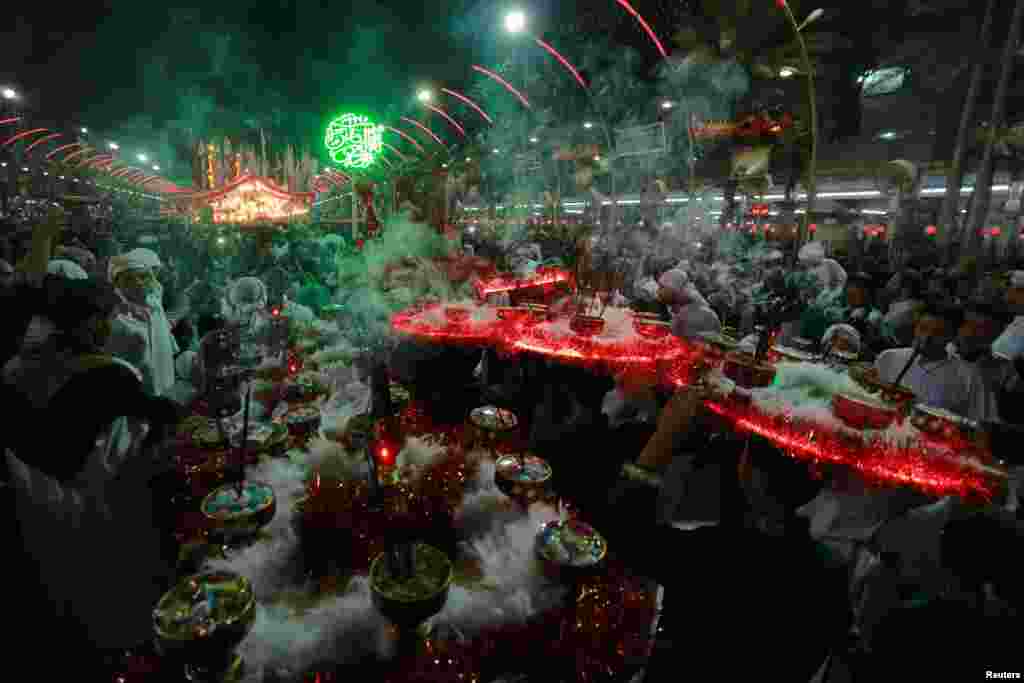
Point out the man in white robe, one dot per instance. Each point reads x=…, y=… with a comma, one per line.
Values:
x=829, y=273
x=1010, y=344
x=143, y=339
x=937, y=379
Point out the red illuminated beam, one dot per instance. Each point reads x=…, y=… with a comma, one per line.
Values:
x=425, y=130
x=646, y=27
x=25, y=134
x=563, y=61
x=14, y=119
x=408, y=138
x=41, y=141
x=505, y=84
x=449, y=119
x=60, y=149
x=465, y=100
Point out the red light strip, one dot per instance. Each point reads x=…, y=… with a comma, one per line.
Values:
x=650, y=32
x=42, y=140
x=505, y=84
x=564, y=62
x=408, y=138
x=449, y=119
x=84, y=150
x=60, y=149
x=916, y=465
x=465, y=100
x=504, y=283
x=22, y=135
x=425, y=130
x=10, y=120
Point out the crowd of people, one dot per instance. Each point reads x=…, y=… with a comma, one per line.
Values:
x=761, y=556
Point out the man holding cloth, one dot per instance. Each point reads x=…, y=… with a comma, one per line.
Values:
x=143, y=337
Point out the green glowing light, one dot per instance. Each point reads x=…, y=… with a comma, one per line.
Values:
x=353, y=141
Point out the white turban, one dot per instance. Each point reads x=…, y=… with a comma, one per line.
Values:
x=67, y=269
x=848, y=331
x=6, y=268
x=773, y=255
x=147, y=239
x=247, y=291
x=812, y=253
x=136, y=259
x=1017, y=278
x=675, y=280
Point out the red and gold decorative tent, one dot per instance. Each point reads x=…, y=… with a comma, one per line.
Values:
x=246, y=200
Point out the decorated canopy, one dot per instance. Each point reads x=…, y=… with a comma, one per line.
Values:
x=247, y=200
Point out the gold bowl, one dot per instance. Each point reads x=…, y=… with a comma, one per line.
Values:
x=407, y=604
x=202, y=619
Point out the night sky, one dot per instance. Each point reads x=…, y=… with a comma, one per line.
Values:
x=150, y=76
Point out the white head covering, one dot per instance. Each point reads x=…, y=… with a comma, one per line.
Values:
x=1017, y=278
x=812, y=253
x=246, y=291
x=773, y=255
x=66, y=268
x=136, y=259
x=844, y=330
x=148, y=239
x=6, y=268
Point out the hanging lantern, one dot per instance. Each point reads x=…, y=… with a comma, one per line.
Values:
x=931, y=231
x=812, y=228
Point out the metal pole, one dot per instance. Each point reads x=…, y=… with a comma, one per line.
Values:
x=812, y=101
x=955, y=174
x=983, y=180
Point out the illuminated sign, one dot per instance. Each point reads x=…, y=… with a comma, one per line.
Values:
x=354, y=141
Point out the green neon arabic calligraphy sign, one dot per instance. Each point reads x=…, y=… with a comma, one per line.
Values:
x=354, y=141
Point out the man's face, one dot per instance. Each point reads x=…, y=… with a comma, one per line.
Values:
x=932, y=334
x=1015, y=297
x=976, y=333
x=856, y=297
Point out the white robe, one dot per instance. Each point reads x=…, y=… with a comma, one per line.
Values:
x=949, y=384
x=1010, y=344
x=149, y=346
x=94, y=538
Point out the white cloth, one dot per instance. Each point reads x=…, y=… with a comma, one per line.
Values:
x=66, y=268
x=79, y=532
x=149, y=346
x=949, y=384
x=1010, y=344
x=841, y=520
x=133, y=260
